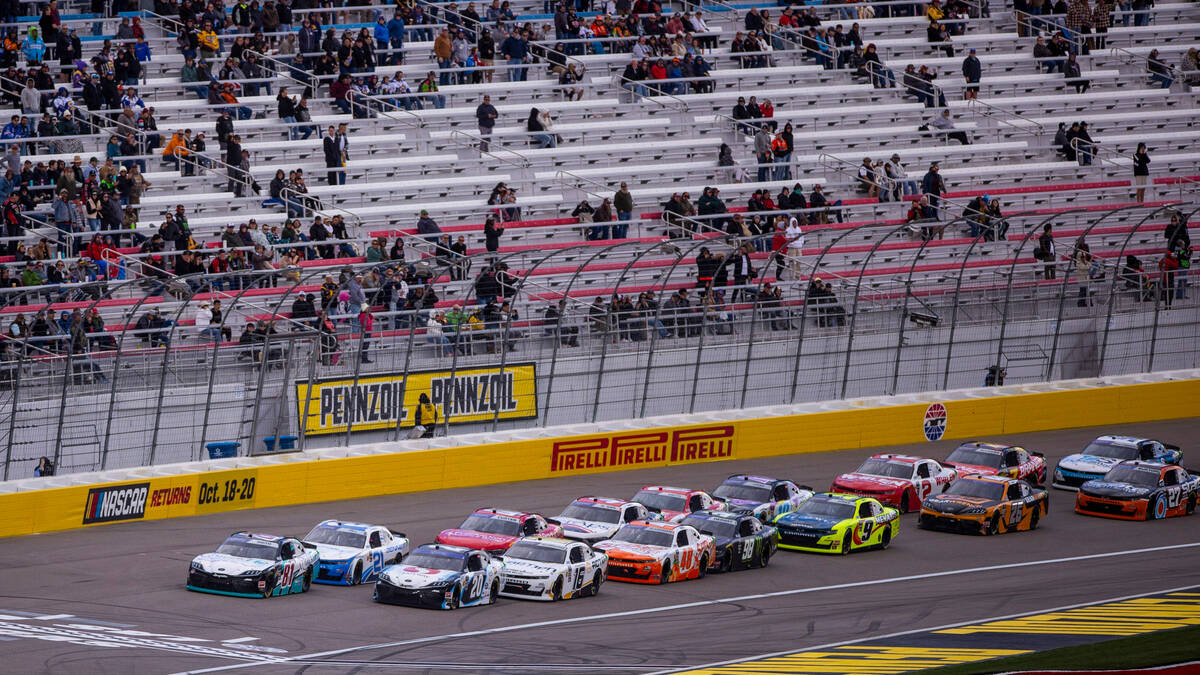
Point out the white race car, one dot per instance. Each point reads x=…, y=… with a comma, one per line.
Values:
x=254, y=566
x=441, y=577
x=593, y=519
x=1106, y=452
x=550, y=568
x=354, y=553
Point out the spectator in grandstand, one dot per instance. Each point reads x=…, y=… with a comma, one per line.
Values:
x=622, y=201
x=972, y=70
x=485, y=115
x=1176, y=232
x=1141, y=171
x=515, y=49
x=333, y=157
x=1045, y=251
x=1074, y=76
x=540, y=127
x=937, y=35
x=428, y=88
x=945, y=127
x=1168, y=268
x=428, y=227
x=426, y=417
x=33, y=48
x=1079, y=19
x=1160, y=73
x=44, y=468
x=1085, y=147
x=934, y=187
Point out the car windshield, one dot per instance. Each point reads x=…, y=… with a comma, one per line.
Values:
x=1134, y=475
x=528, y=550
x=662, y=501
x=827, y=507
x=1108, y=449
x=970, y=454
x=335, y=536
x=492, y=525
x=977, y=488
x=750, y=492
x=241, y=548
x=718, y=527
x=645, y=535
x=592, y=513
x=434, y=561
x=882, y=467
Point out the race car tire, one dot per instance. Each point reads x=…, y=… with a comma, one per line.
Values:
x=356, y=577
x=1152, y=509
x=270, y=586
x=455, y=597
x=703, y=569
x=885, y=538
x=922, y=524
x=994, y=525
x=727, y=563
x=1191, y=505
x=556, y=590
x=904, y=502
x=847, y=542
x=593, y=589
x=665, y=575
x=494, y=592
x=764, y=558
x=1033, y=519
x=307, y=580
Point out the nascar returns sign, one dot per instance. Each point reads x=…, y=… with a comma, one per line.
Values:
x=388, y=401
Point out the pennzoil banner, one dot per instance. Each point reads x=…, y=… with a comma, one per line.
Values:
x=385, y=401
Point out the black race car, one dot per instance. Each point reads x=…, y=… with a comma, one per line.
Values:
x=742, y=540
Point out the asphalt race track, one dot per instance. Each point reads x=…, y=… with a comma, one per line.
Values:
x=111, y=599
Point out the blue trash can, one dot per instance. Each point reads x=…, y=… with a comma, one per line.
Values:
x=269, y=441
x=223, y=449
x=287, y=442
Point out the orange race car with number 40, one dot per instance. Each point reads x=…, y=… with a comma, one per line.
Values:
x=985, y=505
x=655, y=552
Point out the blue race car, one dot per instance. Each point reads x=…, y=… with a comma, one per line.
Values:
x=354, y=553
x=442, y=577
x=254, y=566
x=761, y=496
x=1106, y=452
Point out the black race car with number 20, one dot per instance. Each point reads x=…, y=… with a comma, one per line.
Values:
x=742, y=540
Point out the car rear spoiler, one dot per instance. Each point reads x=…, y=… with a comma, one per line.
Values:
x=1169, y=446
x=806, y=487
x=397, y=534
x=552, y=521
x=1037, y=454
x=309, y=544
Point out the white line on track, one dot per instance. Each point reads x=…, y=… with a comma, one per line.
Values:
x=689, y=605
x=236, y=640
x=830, y=645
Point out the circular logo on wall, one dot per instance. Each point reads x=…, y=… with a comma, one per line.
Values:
x=935, y=422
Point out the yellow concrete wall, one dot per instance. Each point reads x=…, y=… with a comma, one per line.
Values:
x=372, y=475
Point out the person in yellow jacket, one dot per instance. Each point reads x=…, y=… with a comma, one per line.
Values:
x=176, y=143
x=427, y=416
x=210, y=46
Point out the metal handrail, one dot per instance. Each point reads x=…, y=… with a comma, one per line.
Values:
x=323, y=211
x=1096, y=150
x=997, y=113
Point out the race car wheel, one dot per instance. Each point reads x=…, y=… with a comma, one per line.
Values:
x=1157, y=508
x=270, y=586
x=1033, y=519
x=703, y=570
x=495, y=592
x=1191, y=505
x=764, y=558
x=556, y=590
x=593, y=589
x=904, y=503
x=994, y=525
x=307, y=580
x=885, y=538
x=356, y=577
x=665, y=575
x=847, y=542
x=922, y=524
x=727, y=563
x=455, y=598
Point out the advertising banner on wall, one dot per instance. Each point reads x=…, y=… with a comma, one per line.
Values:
x=387, y=401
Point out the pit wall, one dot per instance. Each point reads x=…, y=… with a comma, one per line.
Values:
x=173, y=491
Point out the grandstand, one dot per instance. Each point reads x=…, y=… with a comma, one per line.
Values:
x=899, y=284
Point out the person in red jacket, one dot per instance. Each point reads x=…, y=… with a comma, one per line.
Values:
x=1167, y=267
x=366, y=322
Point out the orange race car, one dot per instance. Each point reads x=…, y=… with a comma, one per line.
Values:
x=656, y=552
x=985, y=505
x=1138, y=490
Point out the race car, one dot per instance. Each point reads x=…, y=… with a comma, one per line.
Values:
x=985, y=505
x=441, y=577
x=254, y=566
x=353, y=553
x=674, y=503
x=995, y=459
x=763, y=497
x=1137, y=490
x=655, y=552
x=899, y=481
x=552, y=568
x=838, y=523
x=494, y=530
x=593, y=519
x=1106, y=452
x=741, y=540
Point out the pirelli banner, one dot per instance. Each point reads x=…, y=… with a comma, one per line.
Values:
x=388, y=401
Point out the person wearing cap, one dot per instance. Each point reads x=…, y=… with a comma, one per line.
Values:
x=622, y=202
x=934, y=187
x=972, y=70
x=977, y=215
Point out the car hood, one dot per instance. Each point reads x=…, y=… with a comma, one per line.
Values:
x=956, y=503
x=865, y=481
x=584, y=529
x=530, y=568
x=331, y=553
x=409, y=576
x=964, y=469
x=220, y=563
x=810, y=521
x=1102, y=488
x=1088, y=463
x=623, y=549
x=475, y=540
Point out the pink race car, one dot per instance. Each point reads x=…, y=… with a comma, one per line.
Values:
x=899, y=481
x=494, y=530
x=674, y=503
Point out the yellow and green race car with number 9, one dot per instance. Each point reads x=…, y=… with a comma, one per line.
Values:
x=838, y=523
